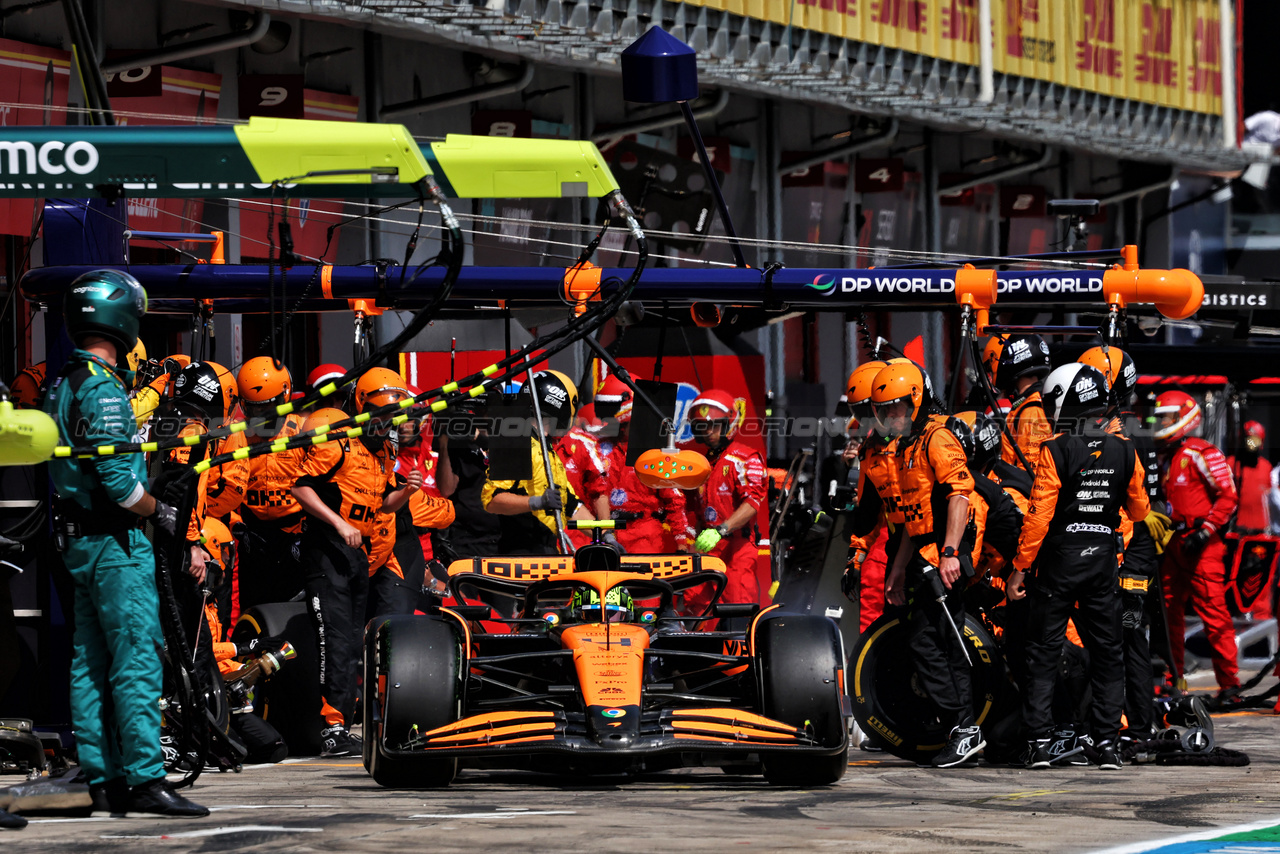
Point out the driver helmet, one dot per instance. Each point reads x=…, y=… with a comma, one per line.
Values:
x=618, y=606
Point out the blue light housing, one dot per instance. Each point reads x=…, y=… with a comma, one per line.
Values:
x=658, y=68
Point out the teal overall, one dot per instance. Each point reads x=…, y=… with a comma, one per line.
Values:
x=116, y=663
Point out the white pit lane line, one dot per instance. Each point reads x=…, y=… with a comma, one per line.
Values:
x=227, y=808
x=216, y=831
x=506, y=813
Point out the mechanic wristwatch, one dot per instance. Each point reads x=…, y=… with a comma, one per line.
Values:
x=949, y=551
x=723, y=531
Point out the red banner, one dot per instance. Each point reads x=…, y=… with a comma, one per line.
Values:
x=33, y=91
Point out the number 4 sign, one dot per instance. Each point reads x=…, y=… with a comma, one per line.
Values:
x=878, y=176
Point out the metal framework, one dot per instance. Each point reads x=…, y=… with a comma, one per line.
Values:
x=785, y=63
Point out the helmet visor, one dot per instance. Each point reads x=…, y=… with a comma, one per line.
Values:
x=612, y=614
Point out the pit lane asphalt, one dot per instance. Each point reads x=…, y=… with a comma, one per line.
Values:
x=882, y=804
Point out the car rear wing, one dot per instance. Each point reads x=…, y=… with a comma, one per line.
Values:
x=527, y=569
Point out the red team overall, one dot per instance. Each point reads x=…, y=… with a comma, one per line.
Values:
x=655, y=518
x=1202, y=499
x=727, y=503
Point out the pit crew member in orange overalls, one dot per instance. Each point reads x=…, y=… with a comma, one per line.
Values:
x=269, y=567
x=1017, y=365
x=1084, y=477
x=1140, y=562
x=936, y=490
x=399, y=555
x=260, y=738
x=344, y=484
x=204, y=393
x=877, y=523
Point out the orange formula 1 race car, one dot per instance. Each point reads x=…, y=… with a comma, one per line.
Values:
x=600, y=674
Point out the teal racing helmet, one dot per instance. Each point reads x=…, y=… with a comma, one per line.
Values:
x=106, y=303
x=618, y=606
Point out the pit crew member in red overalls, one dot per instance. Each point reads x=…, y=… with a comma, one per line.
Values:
x=655, y=518
x=1202, y=497
x=1253, y=475
x=728, y=502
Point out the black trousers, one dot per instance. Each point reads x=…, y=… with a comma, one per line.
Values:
x=337, y=585
x=390, y=594
x=1140, y=558
x=260, y=738
x=268, y=567
x=940, y=662
x=1075, y=580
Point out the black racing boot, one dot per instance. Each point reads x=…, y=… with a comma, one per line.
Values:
x=1065, y=746
x=158, y=798
x=1082, y=751
x=110, y=798
x=336, y=741
x=1038, y=755
x=1109, y=756
x=964, y=744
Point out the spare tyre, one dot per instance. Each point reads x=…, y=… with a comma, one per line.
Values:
x=889, y=701
x=290, y=699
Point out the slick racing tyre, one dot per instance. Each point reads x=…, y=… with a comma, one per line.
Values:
x=798, y=662
x=289, y=700
x=412, y=677
x=887, y=697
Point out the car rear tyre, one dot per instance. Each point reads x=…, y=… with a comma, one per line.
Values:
x=799, y=660
x=412, y=679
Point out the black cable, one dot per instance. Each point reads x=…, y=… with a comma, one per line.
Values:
x=515, y=364
x=591, y=319
x=271, y=274
x=662, y=341
x=958, y=372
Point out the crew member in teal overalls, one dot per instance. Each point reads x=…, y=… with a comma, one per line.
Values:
x=102, y=502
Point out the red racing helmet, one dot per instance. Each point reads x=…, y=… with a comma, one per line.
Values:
x=715, y=404
x=1177, y=416
x=1255, y=435
x=323, y=374
x=614, y=399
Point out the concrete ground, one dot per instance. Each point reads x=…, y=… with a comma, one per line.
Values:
x=880, y=805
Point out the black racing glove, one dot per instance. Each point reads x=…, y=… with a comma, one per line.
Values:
x=851, y=584
x=1197, y=540
x=612, y=540
x=257, y=646
x=1134, y=605
x=165, y=518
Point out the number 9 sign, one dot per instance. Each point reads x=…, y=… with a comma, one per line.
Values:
x=278, y=96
